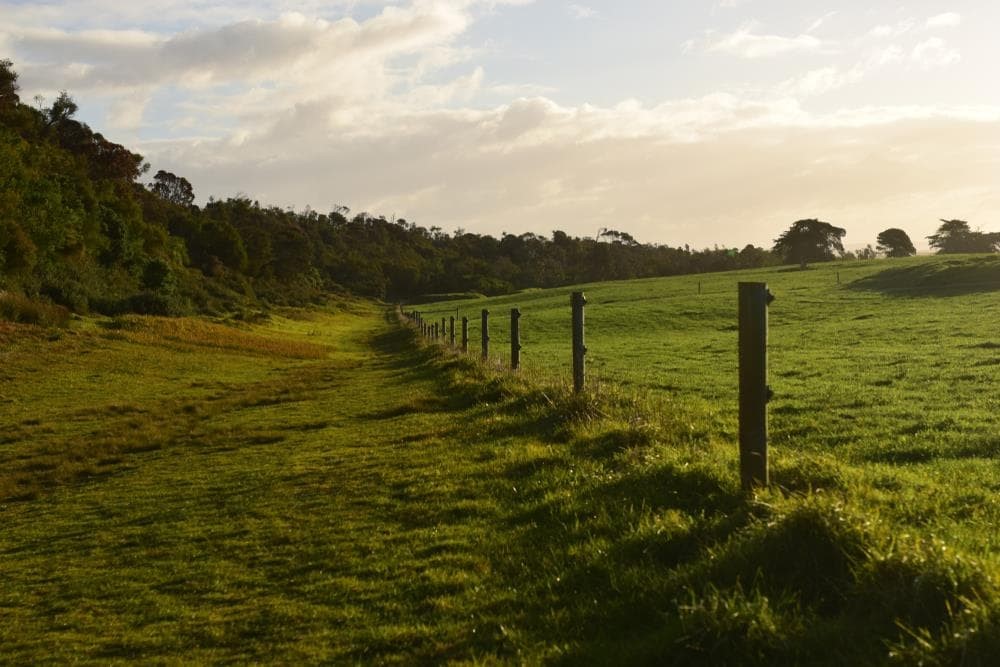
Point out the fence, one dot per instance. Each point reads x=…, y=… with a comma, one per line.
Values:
x=754, y=392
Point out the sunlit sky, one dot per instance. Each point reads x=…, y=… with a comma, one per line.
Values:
x=687, y=121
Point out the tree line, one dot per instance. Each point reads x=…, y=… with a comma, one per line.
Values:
x=80, y=229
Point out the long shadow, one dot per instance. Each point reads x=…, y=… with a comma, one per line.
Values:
x=954, y=277
x=398, y=349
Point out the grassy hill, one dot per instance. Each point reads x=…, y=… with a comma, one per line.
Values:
x=324, y=487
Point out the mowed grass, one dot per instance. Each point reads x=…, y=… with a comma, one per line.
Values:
x=279, y=492
x=325, y=488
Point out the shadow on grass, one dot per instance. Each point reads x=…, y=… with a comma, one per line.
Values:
x=950, y=277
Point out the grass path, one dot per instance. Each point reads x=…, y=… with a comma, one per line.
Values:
x=311, y=511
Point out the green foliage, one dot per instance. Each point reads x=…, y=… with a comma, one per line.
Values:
x=894, y=242
x=8, y=86
x=18, y=308
x=810, y=241
x=955, y=236
x=72, y=197
x=172, y=188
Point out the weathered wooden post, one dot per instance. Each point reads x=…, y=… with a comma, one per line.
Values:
x=442, y=327
x=754, y=392
x=451, y=331
x=435, y=331
x=465, y=334
x=485, y=332
x=515, y=339
x=578, y=301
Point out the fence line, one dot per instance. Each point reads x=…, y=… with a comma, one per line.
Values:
x=754, y=392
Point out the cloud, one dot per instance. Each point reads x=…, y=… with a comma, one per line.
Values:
x=546, y=166
x=892, y=31
x=581, y=12
x=242, y=71
x=745, y=43
x=385, y=113
x=821, y=81
x=820, y=22
x=935, y=52
x=946, y=20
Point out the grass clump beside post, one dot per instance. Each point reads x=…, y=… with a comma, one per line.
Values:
x=634, y=527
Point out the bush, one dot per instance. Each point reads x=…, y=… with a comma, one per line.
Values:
x=18, y=308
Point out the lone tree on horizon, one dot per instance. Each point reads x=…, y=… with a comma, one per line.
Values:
x=895, y=242
x=810, y=240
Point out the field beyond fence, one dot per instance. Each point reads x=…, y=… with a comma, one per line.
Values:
x=886, y=361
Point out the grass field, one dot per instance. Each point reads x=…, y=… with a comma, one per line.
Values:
x=324, y=487
x=893, y=370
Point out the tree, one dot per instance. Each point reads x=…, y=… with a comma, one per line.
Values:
x=8, y=85
x=895, y=243
x=63, y=109
x=172, y=188
x=955, y=236
x=810, y=240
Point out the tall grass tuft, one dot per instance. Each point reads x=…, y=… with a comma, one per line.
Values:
x=21, y=309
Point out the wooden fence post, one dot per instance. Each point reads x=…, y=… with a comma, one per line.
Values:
x=485, y=332
x=442, y=327
x=465, y=334
x=451, y=331
x=435, y=331
x=515, y=339
x=578, y=301
x=754, y=392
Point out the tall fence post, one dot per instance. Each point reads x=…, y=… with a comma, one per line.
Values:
x=465, y=334
x=578, y=301
x=451, y=331
x=515, y=339
x=435, y=331
x=485, y=332
x=443, y=321
x=754, y=392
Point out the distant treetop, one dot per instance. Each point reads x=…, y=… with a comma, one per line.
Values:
x=810, y=240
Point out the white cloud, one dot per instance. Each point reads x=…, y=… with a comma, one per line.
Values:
x=745, y=43
x=946, y=20
x=581, y=12
x=821, y=81
x=546, y=166
x=386, y=114
x=935, y=52
x=820, y=22
x=892, y=31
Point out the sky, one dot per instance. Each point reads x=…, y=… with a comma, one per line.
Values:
x=696, y=122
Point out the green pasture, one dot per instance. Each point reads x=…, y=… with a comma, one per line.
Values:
x=323, y=487
x=896, y=363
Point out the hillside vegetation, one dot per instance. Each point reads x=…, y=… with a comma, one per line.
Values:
x=323, y=486
x=84, y=228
